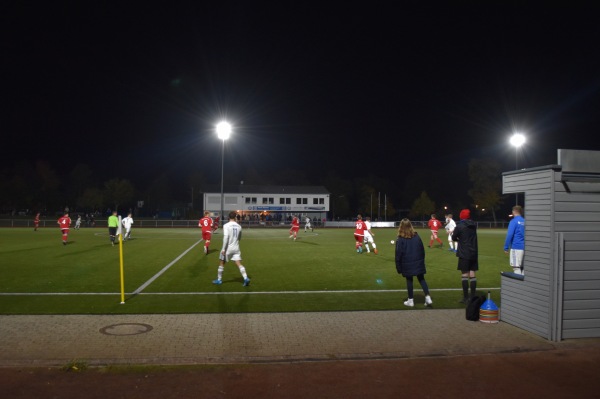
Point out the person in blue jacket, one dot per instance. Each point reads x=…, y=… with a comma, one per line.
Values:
x=410, y=260
x=515, y=240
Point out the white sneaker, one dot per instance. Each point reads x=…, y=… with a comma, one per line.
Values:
x=428, y=300
x=409, y=302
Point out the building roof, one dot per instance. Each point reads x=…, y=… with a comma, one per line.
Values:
x=275, y=190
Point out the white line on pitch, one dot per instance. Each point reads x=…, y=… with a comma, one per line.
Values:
x=225, y=293
x=164, y=269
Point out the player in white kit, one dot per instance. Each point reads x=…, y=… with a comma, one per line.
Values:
x=450, y=226
x=232, y=234
x=369, y=236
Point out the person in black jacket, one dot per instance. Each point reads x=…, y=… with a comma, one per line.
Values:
x=410, y=260
x=466, y=234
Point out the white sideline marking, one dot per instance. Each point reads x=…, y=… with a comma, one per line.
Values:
x=164, y=269
x=223, y=293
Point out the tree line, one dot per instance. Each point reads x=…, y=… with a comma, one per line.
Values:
x=37, y=187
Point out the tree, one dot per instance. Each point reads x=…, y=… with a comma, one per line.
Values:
x=422, y=207
x=92, y=199
x=80, y=179
x=485, y=174
x=48, y=189
x=118, y=192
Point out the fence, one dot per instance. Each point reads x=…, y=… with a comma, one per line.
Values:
x=151, y=223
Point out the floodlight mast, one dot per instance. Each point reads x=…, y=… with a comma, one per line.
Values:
x=223, y=132
x=517, y=140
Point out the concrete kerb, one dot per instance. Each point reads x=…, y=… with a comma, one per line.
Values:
x=185, y=339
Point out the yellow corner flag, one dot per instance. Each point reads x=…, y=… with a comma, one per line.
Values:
x=119, y=231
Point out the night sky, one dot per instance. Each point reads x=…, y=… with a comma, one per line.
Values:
x=355, y=87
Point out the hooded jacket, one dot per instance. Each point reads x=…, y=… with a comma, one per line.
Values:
x=466, y=235
x=410, y=256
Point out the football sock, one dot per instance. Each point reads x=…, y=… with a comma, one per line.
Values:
x=220, y=272
x=430, y=243
x=465, y=287
x=473, y=286
x=243, y=271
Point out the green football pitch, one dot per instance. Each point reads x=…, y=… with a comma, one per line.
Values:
x=166, y=271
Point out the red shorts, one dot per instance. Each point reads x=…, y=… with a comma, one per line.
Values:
x=295, y=228
x=206, y=235
x=359, y=238
x=434, y=234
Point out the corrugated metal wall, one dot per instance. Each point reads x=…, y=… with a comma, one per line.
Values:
x=560, y=295
x=527, y=304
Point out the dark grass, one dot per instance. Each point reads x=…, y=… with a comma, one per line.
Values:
x=319, y=272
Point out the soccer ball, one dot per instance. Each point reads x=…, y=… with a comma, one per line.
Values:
x=392, y=242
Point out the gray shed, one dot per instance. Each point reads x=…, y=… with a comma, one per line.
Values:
x=559, y=295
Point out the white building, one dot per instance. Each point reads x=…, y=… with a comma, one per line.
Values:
x=274, y=202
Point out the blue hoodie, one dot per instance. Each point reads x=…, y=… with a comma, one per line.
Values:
x=515, y=237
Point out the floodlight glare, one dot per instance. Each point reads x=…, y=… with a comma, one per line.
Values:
x=517, y=140
x=223, y=130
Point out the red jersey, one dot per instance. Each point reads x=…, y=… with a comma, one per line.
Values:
x=434, y=224
x=64, y=222
x=295, y=222
x=361, y=226
x=206, y=223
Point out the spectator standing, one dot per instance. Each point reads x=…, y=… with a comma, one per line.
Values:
x=515, y=240
x=465, y=234
x=410, y=260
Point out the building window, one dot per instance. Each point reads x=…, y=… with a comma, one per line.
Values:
x=288, y=201
x=271, y=200
x=315, y=201
x=247, y=200
x=281, y=201
x=298, y=201
x=265, y=200
x=322, y=201
x=305, y=201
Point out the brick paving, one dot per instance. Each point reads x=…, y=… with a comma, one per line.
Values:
x=55, y=340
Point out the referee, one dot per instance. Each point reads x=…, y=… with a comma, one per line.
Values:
x=113, y=224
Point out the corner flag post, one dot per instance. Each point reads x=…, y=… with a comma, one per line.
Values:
x=119, y=234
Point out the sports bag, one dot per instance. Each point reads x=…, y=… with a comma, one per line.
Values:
x=472, y=311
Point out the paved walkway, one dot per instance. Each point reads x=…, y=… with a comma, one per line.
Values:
x=56, y=340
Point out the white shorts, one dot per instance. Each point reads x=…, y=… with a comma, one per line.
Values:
x=368, y=238
x=516, y=257
x=234, y=255
x=450, y=235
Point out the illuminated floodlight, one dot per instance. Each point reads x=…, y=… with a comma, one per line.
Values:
x=517, y=140
x=223, y=130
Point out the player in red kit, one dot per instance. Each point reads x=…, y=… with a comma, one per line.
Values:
x=64, y=223
x=206, y=223
x=215, y=224
x=36, y=221
x=434, y=226
x=359, y=233
x=295, y=228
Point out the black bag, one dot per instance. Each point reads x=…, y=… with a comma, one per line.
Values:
x=472, y=312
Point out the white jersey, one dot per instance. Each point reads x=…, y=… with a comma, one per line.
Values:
x=127, y=222
x=367, y=232
x=232, y=234
x=450, y=225
x=307, y=221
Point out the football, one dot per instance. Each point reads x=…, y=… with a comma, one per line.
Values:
x=392, y=242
